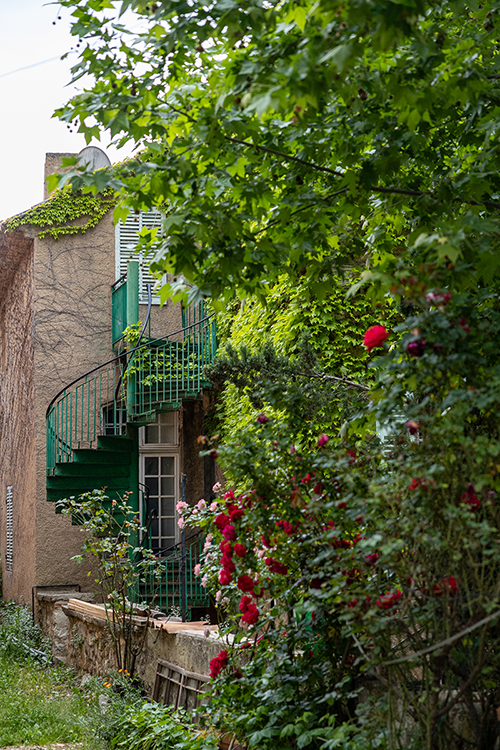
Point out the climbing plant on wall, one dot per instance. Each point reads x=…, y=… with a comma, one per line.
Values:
x=293, y=347
x=65, y=212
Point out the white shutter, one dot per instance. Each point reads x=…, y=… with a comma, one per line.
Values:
x=127, y=237
x=9, y=550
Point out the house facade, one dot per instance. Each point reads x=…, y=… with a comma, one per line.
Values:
x=77, y=411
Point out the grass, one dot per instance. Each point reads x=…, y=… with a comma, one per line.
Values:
x=40, y=706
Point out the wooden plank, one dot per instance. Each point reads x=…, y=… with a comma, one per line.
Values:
x=99, y=611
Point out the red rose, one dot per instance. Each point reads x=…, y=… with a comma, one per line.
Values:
x=470, y=498
x=322, y=440
x=245, y=584
x=262, y=419
x=416, y=348
x=389, y=600
x=218, y=663
x=240, y=550
x=245, y=603
x=236, y=514
x=226, y=549
x=225, y=577
x=229, y=532
x=221, y=521
x=375, y=336
x=275, y=566
x=227, y=563
x=251, y=615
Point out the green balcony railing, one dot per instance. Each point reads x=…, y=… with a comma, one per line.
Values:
x=157, y=376
x=168, y=371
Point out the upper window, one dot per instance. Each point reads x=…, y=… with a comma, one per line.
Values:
x=126, y=240
x=163, y=431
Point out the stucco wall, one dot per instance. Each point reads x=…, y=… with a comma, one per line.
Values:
x=73, y=278
x=17, y=419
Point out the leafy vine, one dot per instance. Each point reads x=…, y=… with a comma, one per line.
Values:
x=55, y=215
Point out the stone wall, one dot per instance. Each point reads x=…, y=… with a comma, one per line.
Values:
x=90, y=648
x=54, y=622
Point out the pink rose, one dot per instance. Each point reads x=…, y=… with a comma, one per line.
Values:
x=201, y=504
x=180, y=523
x=322, y=440
x=213, y=507
x=197, y=569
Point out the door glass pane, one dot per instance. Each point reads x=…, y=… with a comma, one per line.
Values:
x=167, y=527
x=150, y=465
x=167, y=485
x=152, y=485
x=167, y=465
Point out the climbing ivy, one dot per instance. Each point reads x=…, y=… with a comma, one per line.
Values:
x=56, y=215
x=296, y=342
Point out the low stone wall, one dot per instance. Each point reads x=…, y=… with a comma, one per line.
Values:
x=84, y=642
x=90, y=648
x=53, y=620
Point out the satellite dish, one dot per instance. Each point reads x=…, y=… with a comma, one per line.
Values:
x=93, y=157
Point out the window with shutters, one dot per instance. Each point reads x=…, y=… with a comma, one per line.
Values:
x=10, y=530
x=126, y=240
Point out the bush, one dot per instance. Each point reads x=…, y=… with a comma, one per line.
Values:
x=360, y=572
x=156, y=727
x=20, y=637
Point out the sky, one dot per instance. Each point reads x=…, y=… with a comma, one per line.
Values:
x=29, y=97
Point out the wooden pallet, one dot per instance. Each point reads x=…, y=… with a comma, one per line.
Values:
x=175, y=686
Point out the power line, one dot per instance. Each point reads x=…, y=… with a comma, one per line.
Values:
x=27, y=67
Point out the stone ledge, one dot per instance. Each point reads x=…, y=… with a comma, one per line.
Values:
x=63, y=596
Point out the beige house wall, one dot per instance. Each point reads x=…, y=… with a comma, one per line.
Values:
x=73, y=319
x=17, y=419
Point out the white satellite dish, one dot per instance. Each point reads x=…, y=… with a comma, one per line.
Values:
x=93, y=157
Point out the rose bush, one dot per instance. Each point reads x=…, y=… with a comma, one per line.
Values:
x=370, y=571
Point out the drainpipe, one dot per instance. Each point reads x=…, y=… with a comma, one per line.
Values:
x=132, y=319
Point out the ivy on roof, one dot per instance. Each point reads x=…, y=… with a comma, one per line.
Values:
x=56, y=215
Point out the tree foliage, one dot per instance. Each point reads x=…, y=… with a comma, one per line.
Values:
x=298, y=135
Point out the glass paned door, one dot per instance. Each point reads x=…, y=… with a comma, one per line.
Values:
x=159, y=474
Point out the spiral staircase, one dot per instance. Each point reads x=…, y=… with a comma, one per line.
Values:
x=92, y=424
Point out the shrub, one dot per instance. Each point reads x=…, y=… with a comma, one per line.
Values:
x=156, y=727
x=20, y=637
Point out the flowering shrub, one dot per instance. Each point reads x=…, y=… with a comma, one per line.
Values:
x=371, y=558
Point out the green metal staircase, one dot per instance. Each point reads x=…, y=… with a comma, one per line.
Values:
x=92, y=423
x=107, y=465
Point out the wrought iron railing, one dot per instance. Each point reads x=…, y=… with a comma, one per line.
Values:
x=167, y=371
x=155, y=375
x=165, y=591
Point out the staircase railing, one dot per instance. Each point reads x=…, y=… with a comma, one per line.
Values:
x=168, y=371
x=163, y=371
x=165, y=593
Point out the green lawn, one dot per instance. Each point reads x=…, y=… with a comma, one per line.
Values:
x=41, y=706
